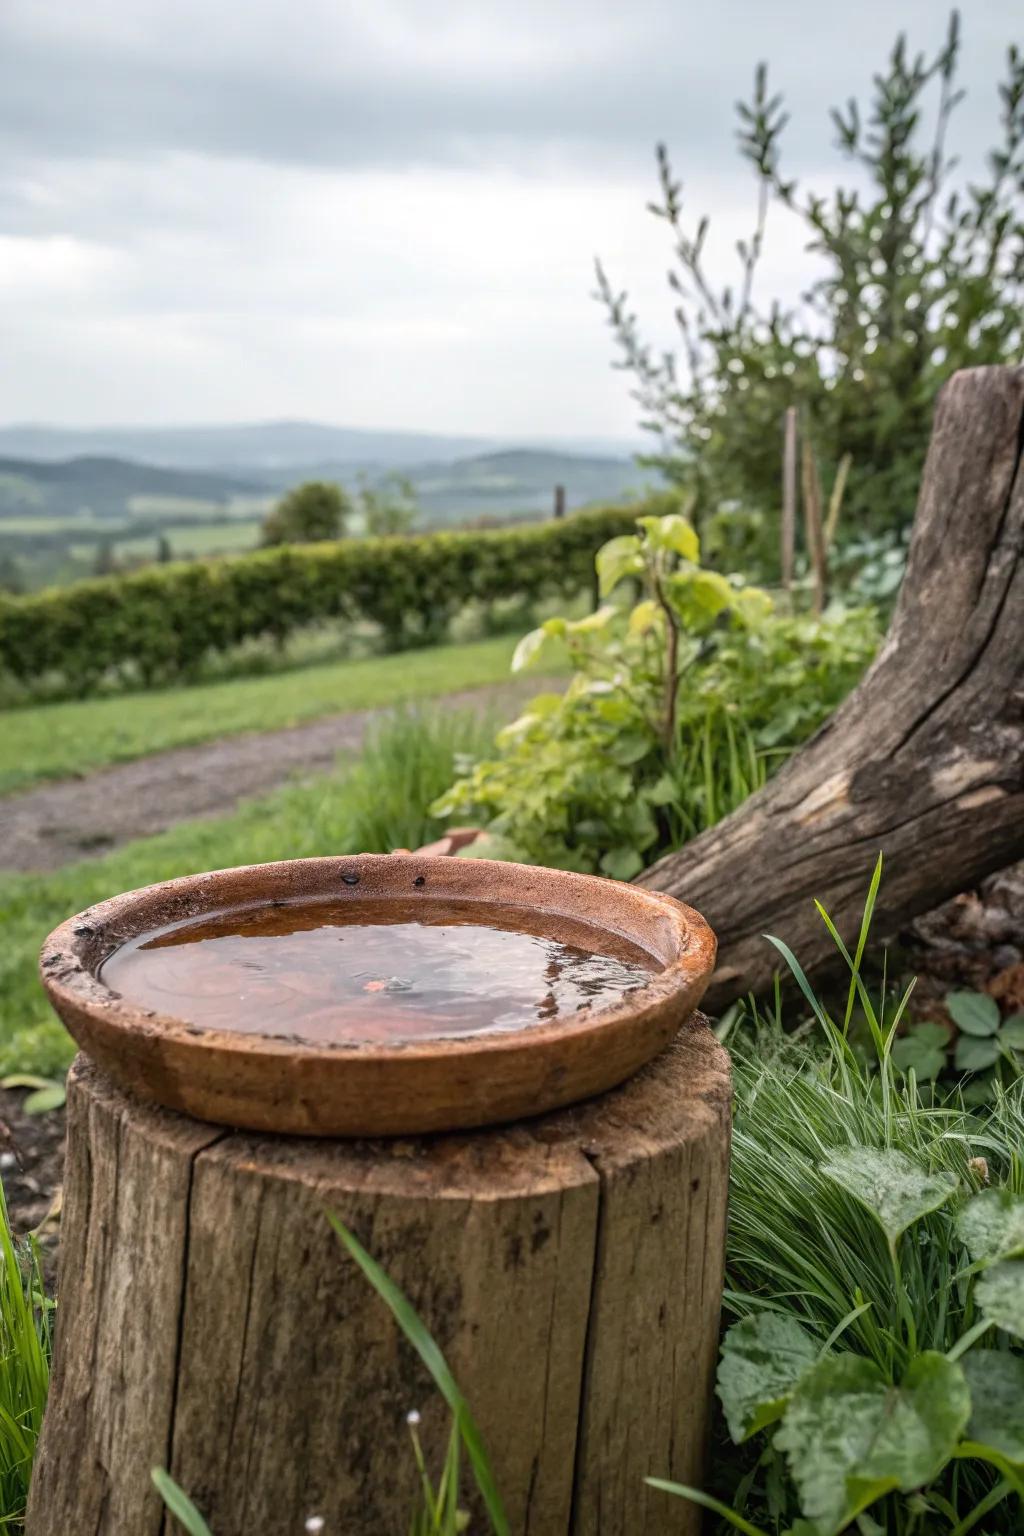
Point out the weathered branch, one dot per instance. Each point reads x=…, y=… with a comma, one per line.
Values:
x=925, y=760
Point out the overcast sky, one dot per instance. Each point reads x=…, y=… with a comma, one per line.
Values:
x=385, y=212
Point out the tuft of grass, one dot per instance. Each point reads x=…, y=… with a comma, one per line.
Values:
x=407, y=762
x=377, y=803
x=25, y=1348
x=50, y=741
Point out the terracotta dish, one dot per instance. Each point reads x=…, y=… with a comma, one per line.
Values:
x=287, y=1084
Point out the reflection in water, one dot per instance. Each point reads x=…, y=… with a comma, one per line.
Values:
x=376, y=970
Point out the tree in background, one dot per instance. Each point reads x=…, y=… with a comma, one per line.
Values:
x=11, y=580
x=390, y=507
x=164, y=552
x=310, y=513
x=105, y=562
x=919, y=279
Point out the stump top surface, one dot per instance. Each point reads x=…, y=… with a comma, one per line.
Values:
x=269, y=1082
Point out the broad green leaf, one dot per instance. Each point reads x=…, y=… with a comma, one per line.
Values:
x=597, y=620
x=974, y=1054
x=752, y=605
x=179, y=1503
x=999, y=1293
x=992, y=1225
x=974, y=1012
x=25, y=1080
x=644, y=617
x=893, y=1188
x=628, y=748
x=922, y=1048
x=996, y=1380
x=850, y=1437
x=1012, y=1032
x=43, y=1100
x=421, y=1339
x=664, y=791
x=528, y=649
x=674, y=532
x=763, y=1358
x=621, y=863
x=616, y=560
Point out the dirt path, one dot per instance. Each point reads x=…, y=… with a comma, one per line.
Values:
x=77, y=818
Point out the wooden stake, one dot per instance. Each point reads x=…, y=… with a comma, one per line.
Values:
x=812, y=521
x=788, y=528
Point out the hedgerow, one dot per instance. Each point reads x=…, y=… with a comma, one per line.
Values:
x=160, y=624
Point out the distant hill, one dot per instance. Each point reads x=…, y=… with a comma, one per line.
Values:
x=252, y=448
x=106, y=487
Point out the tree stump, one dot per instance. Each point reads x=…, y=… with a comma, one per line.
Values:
x=570, y=1267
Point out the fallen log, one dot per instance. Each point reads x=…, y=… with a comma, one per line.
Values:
x=924, y=762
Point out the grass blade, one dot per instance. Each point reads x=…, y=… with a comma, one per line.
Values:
x=179, y=1503
x=415, y=1330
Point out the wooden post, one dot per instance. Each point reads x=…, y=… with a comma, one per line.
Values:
x=570, y=1267
x=559, y=501
x=788, y=524
x=814, y=526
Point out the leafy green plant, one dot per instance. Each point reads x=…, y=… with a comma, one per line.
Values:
x=25, y=1347
x=988, y=1047
x=920, y=276
x=878, y=1283
x=680, y=704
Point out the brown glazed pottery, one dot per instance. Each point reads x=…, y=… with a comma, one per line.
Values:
x=267, y=1083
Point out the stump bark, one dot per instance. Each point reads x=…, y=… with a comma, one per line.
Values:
x=570, y=1267
x=925, y=760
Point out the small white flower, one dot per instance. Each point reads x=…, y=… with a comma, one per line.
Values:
x=315, y=1523
x=412, y=1418
x=7, y=1160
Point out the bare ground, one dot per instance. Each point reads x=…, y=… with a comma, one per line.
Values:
x=58, y=823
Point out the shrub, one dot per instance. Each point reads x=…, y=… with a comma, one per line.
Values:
x=161, y=623
x=920, y=277
x=309, y=514
x=678, y=708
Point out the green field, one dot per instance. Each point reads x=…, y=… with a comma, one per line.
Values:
x=229, y=536
x=50, y=741
x=376, y=803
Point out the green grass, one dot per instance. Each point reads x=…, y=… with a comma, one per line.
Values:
x=51, y=741
x=25, y=1317
x=376, y=804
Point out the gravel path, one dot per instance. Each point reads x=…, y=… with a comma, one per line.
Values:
x=80, y=818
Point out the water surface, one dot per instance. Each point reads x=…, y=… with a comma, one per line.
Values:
x=364, y=970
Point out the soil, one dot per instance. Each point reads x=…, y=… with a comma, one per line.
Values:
x=74, y=819
x=32, y=1167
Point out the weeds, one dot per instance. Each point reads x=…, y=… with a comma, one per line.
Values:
x=876, y=1266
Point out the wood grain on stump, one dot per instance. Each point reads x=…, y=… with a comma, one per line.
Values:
x=570, y=1267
